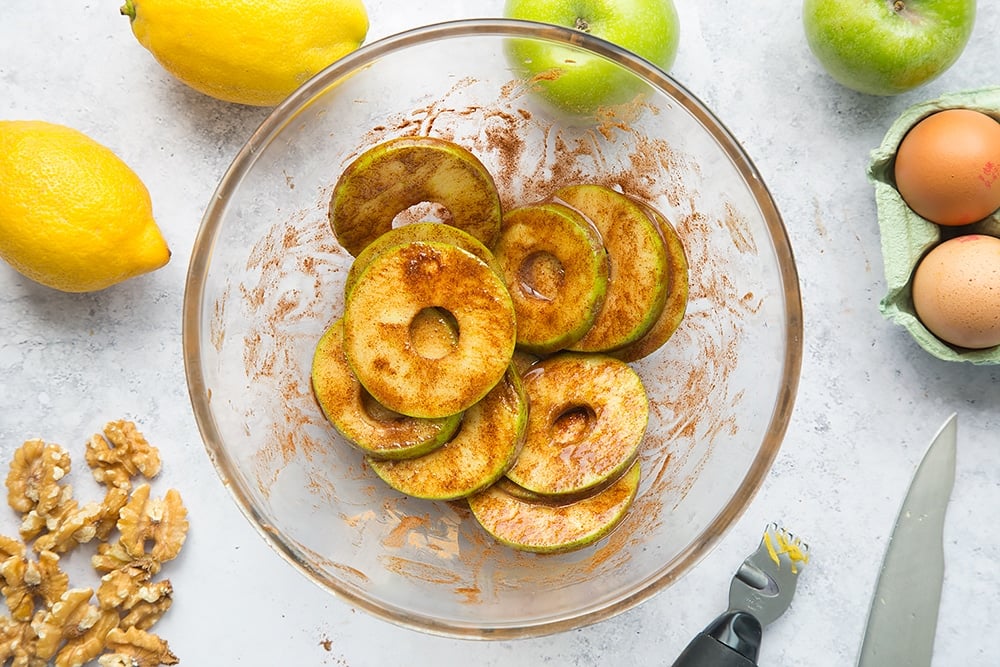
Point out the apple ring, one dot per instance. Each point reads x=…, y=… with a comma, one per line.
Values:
x=638, y=279
x=487, y=444
x=376, y=431
x=675, y=307
x=399, y=173
x=541, y=527
x=378, y=315
x=557, y=273
x=588, y=416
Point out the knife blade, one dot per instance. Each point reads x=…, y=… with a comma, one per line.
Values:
x=904, y=608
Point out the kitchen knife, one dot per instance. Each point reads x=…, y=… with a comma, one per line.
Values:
x=904, y=609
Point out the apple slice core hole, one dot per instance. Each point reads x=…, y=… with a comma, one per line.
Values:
x=541, y=276
x=434, y=332
x=573, y=424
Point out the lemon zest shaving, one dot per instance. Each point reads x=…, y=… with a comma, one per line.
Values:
x=791, y=548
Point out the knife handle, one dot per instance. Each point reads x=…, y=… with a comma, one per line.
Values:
x=731, y=640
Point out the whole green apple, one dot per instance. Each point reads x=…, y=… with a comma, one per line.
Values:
x=887, y=47
x=579, y=82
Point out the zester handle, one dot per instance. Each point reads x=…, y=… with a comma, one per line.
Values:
x=731, y=640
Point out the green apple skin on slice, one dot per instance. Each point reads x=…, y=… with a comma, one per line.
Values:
x=638, y=279
x=396, y=174
x=418, y=231
x=379, y=312
x=675, y=307
x=579, y=83
x=588, y=418
x=373, y=429
x=509, y=487
x=887, y=48
x=556, y=271
x=542, y=527
x=486, y=445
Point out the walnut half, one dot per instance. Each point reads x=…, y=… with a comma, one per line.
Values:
x=136, y=648
x=121, y=454
x=26, y=581
x=163, y=522
x=18, y=643
x=33, y=479
x=73, y=630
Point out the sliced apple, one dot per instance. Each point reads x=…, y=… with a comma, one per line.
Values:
x=556, y=271
x=588, y=417
x=486, y=445
x=378, y=327
x=639, y=271
x=372, y=428
x=545, y=527
x=418, y=231
x=394, y=175
x=678, y=285
x=507, y=485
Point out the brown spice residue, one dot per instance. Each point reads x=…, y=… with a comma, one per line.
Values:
x=216, y=326
x=296, y=290
x=419, y=570
x=736, y=224
x=397, y=536
x=470, y=595
x=278, y=304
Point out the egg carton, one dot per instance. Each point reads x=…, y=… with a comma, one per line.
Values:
x=906, y=237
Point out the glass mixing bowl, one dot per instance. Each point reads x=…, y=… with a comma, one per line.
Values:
x=266, y=278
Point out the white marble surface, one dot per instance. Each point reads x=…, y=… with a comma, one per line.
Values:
x=869, y=402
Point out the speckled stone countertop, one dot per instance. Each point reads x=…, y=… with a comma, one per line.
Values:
x=869, y=401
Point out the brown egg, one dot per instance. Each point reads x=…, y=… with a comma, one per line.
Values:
x=948, y=167
x=956, y=291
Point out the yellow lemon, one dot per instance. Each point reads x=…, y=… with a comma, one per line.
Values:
x=73, y=216
x=247, y=51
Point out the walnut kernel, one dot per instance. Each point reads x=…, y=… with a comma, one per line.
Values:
x=73, y=630
x=33, y=479
x=121, y=454
x=160, y=521
x=136, y=648
x=18, y=643
x=25, y=581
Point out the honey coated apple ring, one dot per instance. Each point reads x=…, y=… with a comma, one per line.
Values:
x=394, y=175
x=378, y=315
x=483, y=450
x=588, y=417
x=547, y=527
x=557, y=273
x=638, y=279
x=376, y=431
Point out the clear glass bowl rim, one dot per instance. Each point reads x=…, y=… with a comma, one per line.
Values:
x=201, y=256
